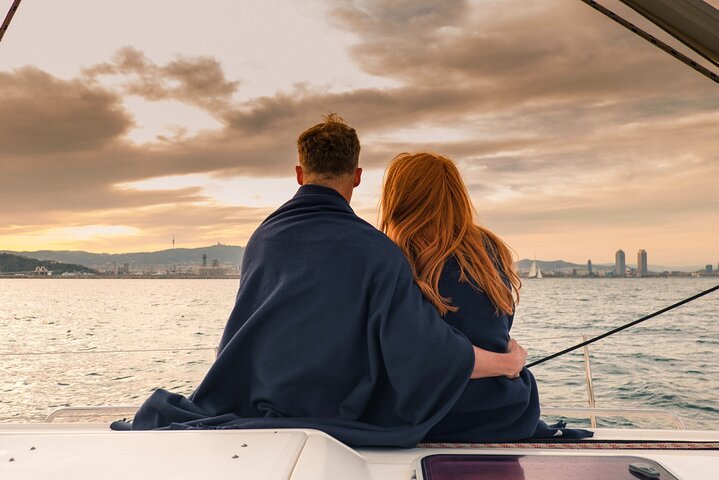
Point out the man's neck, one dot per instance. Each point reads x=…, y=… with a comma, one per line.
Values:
x=343, y=187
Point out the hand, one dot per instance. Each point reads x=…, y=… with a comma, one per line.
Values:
x=517, y=357
x=493, y=364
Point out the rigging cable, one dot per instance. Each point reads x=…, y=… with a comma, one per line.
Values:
x=625, y=326
x=8, y=17
x=654, y=40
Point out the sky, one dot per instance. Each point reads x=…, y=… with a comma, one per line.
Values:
x=125, y=123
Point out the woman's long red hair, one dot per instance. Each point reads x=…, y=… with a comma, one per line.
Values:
x=426, y=210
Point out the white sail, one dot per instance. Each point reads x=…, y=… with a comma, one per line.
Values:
x=533, y=270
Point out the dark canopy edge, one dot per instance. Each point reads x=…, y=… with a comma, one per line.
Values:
x=695, y=23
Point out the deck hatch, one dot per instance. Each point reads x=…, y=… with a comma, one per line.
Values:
x=527, y=467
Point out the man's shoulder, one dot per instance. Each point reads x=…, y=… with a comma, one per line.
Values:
x=345, y=224
x=376, y=239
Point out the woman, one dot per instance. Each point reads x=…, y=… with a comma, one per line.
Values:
x=466, y=272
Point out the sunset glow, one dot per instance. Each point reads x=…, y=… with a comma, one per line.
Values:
x=153, y=119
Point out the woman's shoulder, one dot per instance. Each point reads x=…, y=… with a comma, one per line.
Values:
x=452, y=272
x=460, y=290
x=451, y=265
x=476, y=316
x=465, y=293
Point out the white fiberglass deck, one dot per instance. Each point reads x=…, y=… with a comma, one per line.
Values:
x=95, y=452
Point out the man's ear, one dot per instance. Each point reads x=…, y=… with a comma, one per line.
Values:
x=358, y=177
x=300, y=175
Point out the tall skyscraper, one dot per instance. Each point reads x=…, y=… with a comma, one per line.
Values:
x=642, y=269
x=589, y=267
x=620, y=264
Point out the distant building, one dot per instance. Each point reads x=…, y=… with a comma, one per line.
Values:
x=642, y=269
x=589, y=267
x=41, y=271
x=215, y=271
x=204, y=260
x=620, y=264
x=709, y=268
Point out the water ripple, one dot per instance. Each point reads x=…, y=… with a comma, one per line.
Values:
x=670, y=362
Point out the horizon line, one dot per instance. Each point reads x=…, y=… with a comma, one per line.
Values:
x=220, y=244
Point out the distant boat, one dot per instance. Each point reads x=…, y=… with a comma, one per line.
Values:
x=534, y=271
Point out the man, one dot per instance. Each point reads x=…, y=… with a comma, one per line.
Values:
x=329, y=330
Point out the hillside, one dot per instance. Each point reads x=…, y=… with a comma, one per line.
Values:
x=225, y=254
x=15, y=263
x=549, y=265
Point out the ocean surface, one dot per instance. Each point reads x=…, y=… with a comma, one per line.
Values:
x=112, y=342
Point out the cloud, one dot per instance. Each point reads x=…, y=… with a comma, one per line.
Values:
x=549, y=50
x=561, y=116
x=42, y=114
x=197, y=81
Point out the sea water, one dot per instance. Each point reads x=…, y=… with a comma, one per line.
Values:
x=77, y=342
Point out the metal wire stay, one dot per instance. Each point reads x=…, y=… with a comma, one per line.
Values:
x=8, y=17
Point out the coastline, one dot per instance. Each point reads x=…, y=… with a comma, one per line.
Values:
x=11, y=276
x=117, y=277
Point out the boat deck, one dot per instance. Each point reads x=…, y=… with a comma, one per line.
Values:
x=79, y=451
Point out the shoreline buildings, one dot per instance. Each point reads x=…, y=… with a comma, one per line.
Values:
x=642, y=268
x=620, y=264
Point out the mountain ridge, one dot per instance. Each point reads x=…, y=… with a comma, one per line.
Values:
x=11, y=263
x=548, y=265
x=224, y=254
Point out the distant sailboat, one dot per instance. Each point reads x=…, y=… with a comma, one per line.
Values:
x=534, y=271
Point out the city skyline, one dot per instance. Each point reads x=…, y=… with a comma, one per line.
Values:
x=117, y=141
x=619, y=263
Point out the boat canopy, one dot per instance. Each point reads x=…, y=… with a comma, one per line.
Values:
x=693, y=22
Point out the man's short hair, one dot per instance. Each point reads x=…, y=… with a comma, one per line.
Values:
x=330, y=148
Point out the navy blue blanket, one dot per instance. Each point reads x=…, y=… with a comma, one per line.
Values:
x=328, y=331
x=496, y=409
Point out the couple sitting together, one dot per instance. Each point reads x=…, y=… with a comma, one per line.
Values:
x=379, y=338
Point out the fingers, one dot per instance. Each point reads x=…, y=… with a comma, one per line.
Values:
x=518, y=356
x=513, y=345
